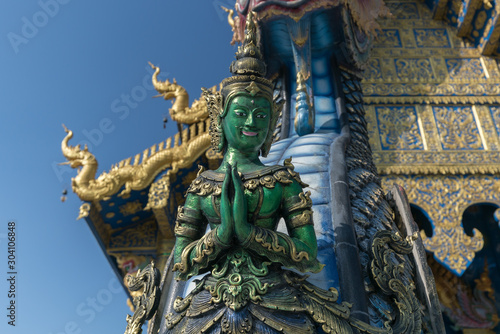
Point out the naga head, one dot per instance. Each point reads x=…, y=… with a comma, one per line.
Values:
x=78, y=157
x=167, y=89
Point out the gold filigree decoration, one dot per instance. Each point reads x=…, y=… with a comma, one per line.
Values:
x=214, y=107
x=372, y=71
x=444, y=199
x=463, y=67
x=432, y=38
x=460, y=73
x=437, y=162
x=138, y=238
x=206, y=249
x=457, y=128
x=159, y=193
x=419, y=69
x=399, y=128
x=388, y=38
x=422, y=99
x=460, y=139
x=461, y=89
x=130, y=208
x=495, y=113
x=270, y=241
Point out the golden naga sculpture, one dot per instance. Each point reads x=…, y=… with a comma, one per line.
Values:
x=79, y=158
x=138, y=174
x=180, y=111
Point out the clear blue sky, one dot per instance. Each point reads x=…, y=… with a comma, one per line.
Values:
x=67, y=63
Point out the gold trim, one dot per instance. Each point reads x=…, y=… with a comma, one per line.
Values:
x=473, y=148
x=422, y=99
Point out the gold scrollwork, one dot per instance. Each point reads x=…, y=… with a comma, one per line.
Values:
x=457, y=128
x=412, y=162
x=444, y=198
x=388, y=38
x=495, y=113
x=373, y=70
x=454, y=143
x=414, y=68
x=465, y=68
x=399, y=128
x=419, y=89
x=432, y=38
x=424, y=99
x=159, y=193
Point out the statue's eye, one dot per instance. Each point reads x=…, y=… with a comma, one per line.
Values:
x=240, y=113
x=261, y=115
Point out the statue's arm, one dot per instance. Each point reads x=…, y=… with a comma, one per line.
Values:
x=194, y=250
x=296, y=209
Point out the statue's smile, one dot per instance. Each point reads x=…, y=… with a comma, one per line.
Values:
x=249, y=133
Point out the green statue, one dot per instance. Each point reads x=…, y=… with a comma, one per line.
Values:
x=246, y=288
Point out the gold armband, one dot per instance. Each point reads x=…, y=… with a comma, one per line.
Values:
x=302, y=219
x=295, y=203
x=185, y=230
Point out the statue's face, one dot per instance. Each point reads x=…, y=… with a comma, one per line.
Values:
x=246, y=123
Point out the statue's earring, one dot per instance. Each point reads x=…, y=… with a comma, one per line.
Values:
x=221, y=139
x=214, y=107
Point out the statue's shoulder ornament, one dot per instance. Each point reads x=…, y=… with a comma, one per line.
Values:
x=209, y=182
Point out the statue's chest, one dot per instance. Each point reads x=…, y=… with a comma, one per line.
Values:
x=263, y=205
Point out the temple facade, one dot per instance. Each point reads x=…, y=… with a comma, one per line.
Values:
x=391, y=114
